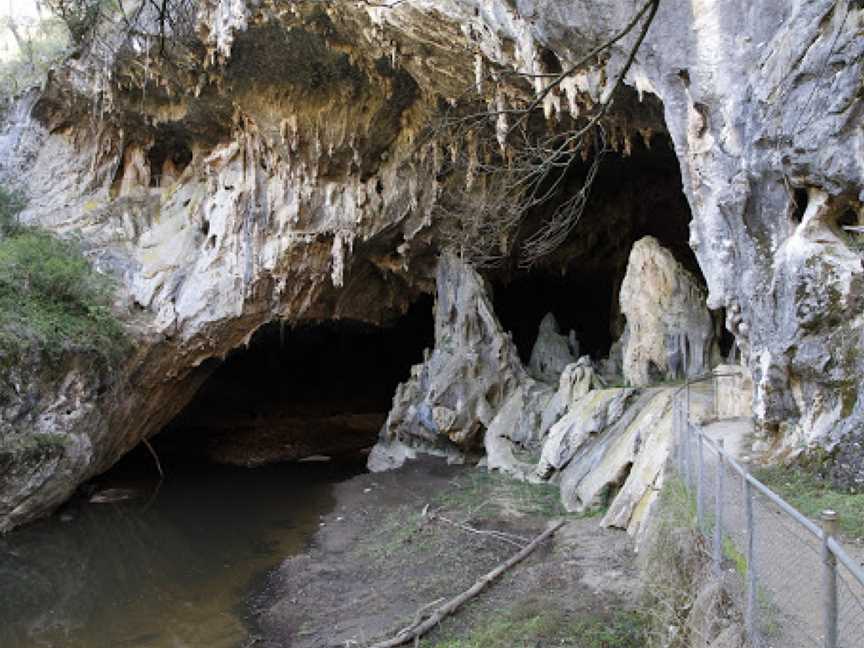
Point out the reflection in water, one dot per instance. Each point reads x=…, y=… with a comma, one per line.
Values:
x=173, y=571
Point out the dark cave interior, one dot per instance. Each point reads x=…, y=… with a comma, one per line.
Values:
x=633, y=196
x=325, y=387
x=315, y=388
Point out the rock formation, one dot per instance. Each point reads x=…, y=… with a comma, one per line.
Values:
x=452, y=398
x=669, y=331
x=552, y=351
x=283, y=176
x=606, y=447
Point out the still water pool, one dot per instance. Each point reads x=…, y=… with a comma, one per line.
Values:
x=172, y=567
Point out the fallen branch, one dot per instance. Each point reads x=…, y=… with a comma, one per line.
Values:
x=420, y=614
x=419, y=629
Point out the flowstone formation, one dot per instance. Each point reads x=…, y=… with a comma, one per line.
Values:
x=452, y=397
x=552, y=351
x=281, y=173
x=670, y=332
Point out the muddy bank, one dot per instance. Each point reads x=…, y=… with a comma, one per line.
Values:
x=377, y=559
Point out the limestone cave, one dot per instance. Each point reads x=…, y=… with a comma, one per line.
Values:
x=317, y=388
x=431, y=323
x=633, y=195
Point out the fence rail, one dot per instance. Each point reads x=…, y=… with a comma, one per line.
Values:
x=798, y=585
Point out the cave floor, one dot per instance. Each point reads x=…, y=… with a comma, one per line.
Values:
x=377, y=559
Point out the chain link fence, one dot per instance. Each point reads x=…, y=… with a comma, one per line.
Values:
x=798, y=587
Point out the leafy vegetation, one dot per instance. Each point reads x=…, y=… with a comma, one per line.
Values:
x=37, y=45
x=811, y=495
x=11, y=203
x=50, y=296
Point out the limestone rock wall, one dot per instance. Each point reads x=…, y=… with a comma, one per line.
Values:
x=281, y=178
x=763, y=103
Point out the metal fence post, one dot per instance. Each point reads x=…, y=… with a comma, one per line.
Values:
x=752, y=581
x=700, y=469
x=679, y=435
x=682, y=432
x=687, y=390
x=688, y=464
x=829, y=527
x=685, y=448
x=716, y=397
x=718, y=510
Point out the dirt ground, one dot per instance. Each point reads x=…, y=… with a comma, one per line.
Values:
x=378, y=559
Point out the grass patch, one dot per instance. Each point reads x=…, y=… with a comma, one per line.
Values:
x=673, y=563
x=678, y=504
x=400, y=528
x=51, y=299
x=738, y=559
x=480, y=489
x=812, y=495
x=477, y=494
x=527, y=626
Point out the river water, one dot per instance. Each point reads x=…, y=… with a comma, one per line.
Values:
x=172, y=570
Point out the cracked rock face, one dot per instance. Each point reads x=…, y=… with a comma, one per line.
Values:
x=280, y=178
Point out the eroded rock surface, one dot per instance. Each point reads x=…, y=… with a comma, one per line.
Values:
x=452, y=397
x=669, y=332
x=279, y=178
x=552, y=351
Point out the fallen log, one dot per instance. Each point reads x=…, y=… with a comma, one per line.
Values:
x=420, y=628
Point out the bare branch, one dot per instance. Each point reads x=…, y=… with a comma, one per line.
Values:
x=533, y=168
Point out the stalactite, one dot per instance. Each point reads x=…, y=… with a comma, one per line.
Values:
x=501, y=122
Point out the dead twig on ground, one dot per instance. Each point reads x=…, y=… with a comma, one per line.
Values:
x=509, y=538
x=412, y=633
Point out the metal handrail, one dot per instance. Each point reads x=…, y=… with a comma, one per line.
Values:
x=848, y=562
x=787, y=508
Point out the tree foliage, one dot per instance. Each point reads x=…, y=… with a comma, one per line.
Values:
x=11, y=204
x=41, y=43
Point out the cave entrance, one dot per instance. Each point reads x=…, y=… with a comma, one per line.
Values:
x=632, y=196
x=320, y=388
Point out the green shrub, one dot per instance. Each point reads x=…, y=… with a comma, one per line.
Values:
x=51, y=299
x=11, y=203
x=43, y=44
